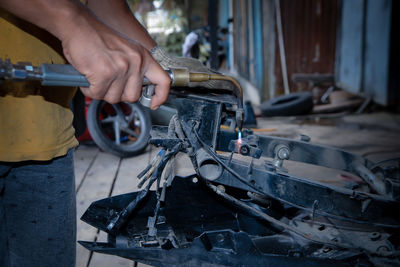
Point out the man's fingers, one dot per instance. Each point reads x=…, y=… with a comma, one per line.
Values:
x=115, y=91
x=160, y=95
x=96, y=90
x=157, y=76
x=133, y=88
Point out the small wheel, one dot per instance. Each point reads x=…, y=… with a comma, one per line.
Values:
x=121, y=129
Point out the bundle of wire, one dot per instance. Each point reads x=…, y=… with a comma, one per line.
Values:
x=162, y=163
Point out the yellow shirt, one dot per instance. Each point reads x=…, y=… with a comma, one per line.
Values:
x=35, y=121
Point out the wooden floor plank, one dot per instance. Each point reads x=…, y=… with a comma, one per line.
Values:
x=126, y=182
x=127, y=175
x=96, y=185
x=83, y=158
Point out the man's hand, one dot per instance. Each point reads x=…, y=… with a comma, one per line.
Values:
x=114, y=65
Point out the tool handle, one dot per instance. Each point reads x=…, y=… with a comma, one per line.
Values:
x=62, y=75
x=65, y=75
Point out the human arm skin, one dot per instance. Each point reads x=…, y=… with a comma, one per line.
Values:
x=114, y=65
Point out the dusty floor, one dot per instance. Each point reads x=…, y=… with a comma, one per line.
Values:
x=99, y=175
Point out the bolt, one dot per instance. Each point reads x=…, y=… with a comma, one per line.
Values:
x=195, y=180
x=220, y=238
x=374, y=236
x=221, y=188
x=283, y=153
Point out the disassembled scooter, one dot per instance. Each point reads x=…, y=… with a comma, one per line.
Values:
x=242, y=207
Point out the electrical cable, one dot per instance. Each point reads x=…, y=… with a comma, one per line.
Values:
x=121, y=217
x=270, y=219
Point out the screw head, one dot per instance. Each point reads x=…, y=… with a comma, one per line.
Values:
x=244, y=150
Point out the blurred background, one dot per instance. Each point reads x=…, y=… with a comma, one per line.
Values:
x=287, y=46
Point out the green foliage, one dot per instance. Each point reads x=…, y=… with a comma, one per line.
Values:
x=166, y=27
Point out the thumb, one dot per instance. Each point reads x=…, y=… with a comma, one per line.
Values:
x=157, y=76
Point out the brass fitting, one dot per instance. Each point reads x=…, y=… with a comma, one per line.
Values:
x=180, y=77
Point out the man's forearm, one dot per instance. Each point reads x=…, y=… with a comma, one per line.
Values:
x=117, y=15
x=55, y=16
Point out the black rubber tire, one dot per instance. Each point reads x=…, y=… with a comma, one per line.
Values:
x=288, y=105
x=101, y=134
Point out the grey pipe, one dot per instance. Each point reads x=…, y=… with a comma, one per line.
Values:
x=209, y=168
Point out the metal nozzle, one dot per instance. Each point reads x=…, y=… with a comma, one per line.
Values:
x=239, y=118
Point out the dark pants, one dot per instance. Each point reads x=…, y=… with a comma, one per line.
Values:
x=38, y=213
